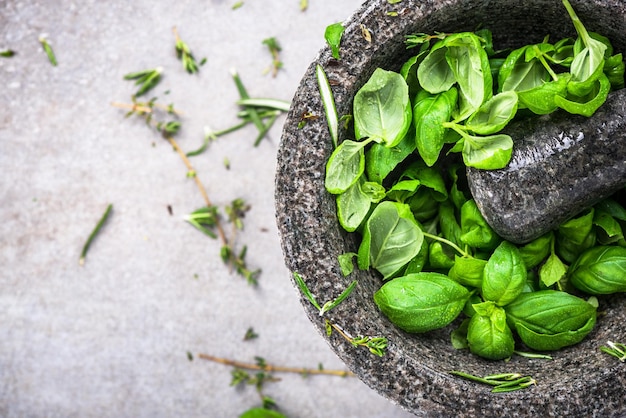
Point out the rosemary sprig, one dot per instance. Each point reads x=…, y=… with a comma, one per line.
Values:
x=96, y=230
x=48, y=49
x=501, y=382
x=274, y=48
x=145, y=79
x=183, y=52
x=617, y=350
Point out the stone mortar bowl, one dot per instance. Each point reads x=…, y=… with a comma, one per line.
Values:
x=580, y=380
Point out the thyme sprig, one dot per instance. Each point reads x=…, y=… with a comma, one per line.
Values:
x=183, y=52
x=376, y=345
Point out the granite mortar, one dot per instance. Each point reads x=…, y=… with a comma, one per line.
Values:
x=580, y=380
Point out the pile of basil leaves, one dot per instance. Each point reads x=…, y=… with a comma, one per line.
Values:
x=420, y=228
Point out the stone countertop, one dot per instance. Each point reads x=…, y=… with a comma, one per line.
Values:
x=111, y=338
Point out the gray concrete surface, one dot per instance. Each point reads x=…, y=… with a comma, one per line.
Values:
x=110, y=338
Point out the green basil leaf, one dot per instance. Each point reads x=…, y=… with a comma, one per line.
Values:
x=409, y=72
x=494, y=114
x=468, y=271
x=429, y=114
x=352, y=207
x=614, y=70
x=374, y=191
x=421, y=302
x=488, y=334
x=518, y=75
x=550, y=319
x=504, y=275
x=475, y=231
x=488, y=152
x=418, y=262
x=458, y=337
x=439, y=258
x=402, y=190
x=346, y=263
x=382, y=109
x=423, y=204
x=575, y=236
x=448, y=224
x=537, y=250
x=588, y=105
x=434, y=73
x=541, y=99
x=391, y=239
x=333, y=34
x=381, y=160
x=470, y=65
x=552, y=270
x=600, y=270
x=609, y=230
x=344, y=167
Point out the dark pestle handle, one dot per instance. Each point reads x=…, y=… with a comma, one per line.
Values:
x=561, y=165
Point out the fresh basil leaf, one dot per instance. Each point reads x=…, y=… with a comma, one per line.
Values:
x=418, y=262
x=494, y=114
x=552, y=270
x=608, y=230
x=344, y=167
x=488, y=334
x=382, y=109
x=458, y=337
x=504, y=275
x=261, y=413
x=600, y=270
x=537, y=250
x=470, y=65
x=614, y=71
x=421, y=302
x=423, y=204
x=374, y=191
x=586, y=106
x=353, y=206
x=402, y=190
x=346, y=263
x=475, y=231
x=448, y=224
x=550, y=319
x=468, y=271
x=518, y=75
x=429, y=177
x=541, y=99
x=391, y=239
x=409, y=72
x=487, y=152
x=333, y=34
x=381, y=160
x=575, y=236
x=439, y=257
x=434, y=73
x=429, y=114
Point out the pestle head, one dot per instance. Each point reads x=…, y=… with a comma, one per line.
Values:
x=561, y=165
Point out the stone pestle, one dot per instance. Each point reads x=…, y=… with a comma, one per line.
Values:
x=561, y=165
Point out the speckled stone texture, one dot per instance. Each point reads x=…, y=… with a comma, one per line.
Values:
x=580, y=380
x=561, y=164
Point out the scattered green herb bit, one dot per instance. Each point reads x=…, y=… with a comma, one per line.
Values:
x=274, y=48
x=504, y=382
x=333, y=34
x=304, y=4
x=262, y=413
x=237, y=5
x=365, y=32
x=146, y=79
x=617, y=350
x=189, y=356
x=533, y=355
x=168, y=128
x=346, y=263
x=238, y=261
x=305, y=290
x=204, y=219
x=226, y=163
x=250, y=334
x=275, y=104
x=334, y=303
x=393, y=1
x=99, y=225
x=48, y=49
x=392, y=13
x=328, y=101
x=236, y=212
x=184, y=54
x=7, y=53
